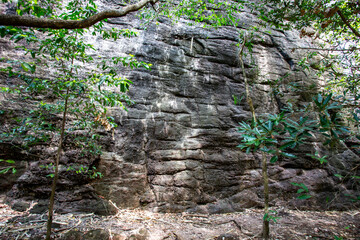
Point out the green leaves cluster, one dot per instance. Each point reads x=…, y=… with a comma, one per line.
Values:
x=36, y=8
x=208, y=13
x=271, y=216
x=317, y=157
x=331, y=124
x=279, y=135
x=303, y=190
x=6, y=169
x=90, y=172
x=335, y=27
x=67, y=56
x=322, y=15
x=279, y=132
x=276, y=135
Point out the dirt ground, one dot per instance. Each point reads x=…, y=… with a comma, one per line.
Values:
x=142, y=224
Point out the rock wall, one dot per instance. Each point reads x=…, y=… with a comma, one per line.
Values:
x=175, y=149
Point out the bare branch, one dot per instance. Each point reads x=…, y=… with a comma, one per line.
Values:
x=343, y=18
x=328, y=49
x=26, y=21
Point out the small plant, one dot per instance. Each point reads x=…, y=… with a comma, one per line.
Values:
x=330, y=122
x=303, y=190
x=93, y=173
x=266, y=135
x=279, y=135
x=317, y=157
x=238, y=99
x=6, y=169
x=271, y=216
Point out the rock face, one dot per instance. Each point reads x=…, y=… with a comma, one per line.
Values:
x=175, y=149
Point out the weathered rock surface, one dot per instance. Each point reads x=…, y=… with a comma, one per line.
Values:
x=175, y=149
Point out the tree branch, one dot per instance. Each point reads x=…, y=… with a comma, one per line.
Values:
x=27, y=21
x=328, y=49
x=343, y=18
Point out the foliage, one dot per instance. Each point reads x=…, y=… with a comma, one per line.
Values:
x=90, y=172
x=71, y=87
x=8, y=168
x=334, y=29
x=67, y=52
x=317, y=156
x=279, y=135
x=302, y=189
x=271, y=216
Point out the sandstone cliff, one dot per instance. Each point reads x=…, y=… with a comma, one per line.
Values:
x=175, y=149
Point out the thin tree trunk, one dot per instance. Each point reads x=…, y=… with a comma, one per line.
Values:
x=266, y=225
x=56, y=174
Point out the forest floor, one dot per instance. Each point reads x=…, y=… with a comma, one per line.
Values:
x=142, y=224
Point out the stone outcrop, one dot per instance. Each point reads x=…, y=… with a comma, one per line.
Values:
x=176, y=148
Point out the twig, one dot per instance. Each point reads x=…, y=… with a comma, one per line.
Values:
x=63, y=229
x=197, y=215
x=327, y=49
x=26, y=228
x=5, y=229
x=37, y=221
x=112, y=203
x=78, y=223
x=191, y=45
x=21, y=237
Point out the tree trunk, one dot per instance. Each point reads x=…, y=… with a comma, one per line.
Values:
x=56, y=174
x=266, y=227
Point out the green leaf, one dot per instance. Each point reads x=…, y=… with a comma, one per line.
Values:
x=235, y=99
x=25, y=66
x=7, y=160
x=327, y=99
x=4, y=171
x=288, y=155
x=301, y=185
x=338, y=175
x=290, y=144
x=304, y=196
x=300, y=190
x=274, y=159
